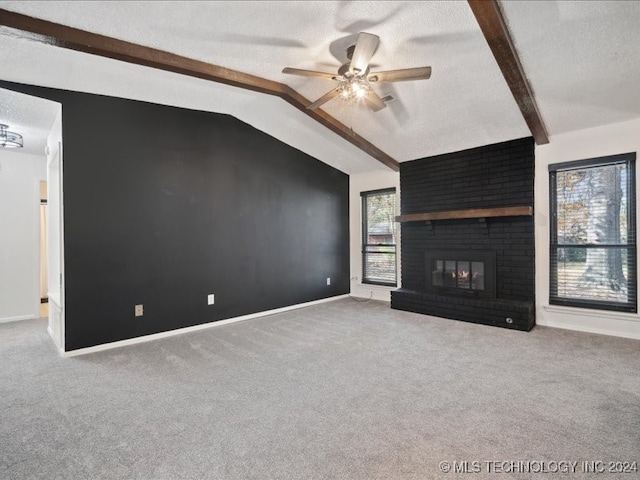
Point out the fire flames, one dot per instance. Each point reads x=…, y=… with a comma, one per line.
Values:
x=463, y=275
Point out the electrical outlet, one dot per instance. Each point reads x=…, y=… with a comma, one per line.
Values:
x=211, y=299
x=328, y=280
x=139, y=311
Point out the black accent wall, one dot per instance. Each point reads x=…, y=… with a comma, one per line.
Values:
x=499, y=175
x=163, y=206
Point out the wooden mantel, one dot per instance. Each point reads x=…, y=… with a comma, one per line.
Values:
x=471, y=213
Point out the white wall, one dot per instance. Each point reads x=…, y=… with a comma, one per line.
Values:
x=590, y=143
x=20, y=176
x=363, y=182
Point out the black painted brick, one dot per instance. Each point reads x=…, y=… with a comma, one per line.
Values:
x=499, y=175
x=485, y=311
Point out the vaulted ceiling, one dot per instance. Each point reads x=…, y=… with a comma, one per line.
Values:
x=581, y=61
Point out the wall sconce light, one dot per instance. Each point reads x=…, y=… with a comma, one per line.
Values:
x=9, y=139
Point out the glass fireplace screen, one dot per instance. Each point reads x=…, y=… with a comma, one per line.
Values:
x=463, y=274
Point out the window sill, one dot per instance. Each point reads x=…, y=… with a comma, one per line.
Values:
x=377, y=286
x=588, y=312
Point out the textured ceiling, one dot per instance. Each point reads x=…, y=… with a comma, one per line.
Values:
x=581, y=59
x=29, y=116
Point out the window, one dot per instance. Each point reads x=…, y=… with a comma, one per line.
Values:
x=379, y=237
x=593, y=239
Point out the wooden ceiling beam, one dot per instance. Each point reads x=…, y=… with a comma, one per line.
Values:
x=108, y=47
x=494, y=28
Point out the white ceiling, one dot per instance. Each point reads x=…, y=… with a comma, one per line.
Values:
x=581, y=58
x=29, y=116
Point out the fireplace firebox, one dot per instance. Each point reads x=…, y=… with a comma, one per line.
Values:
x=461, y=272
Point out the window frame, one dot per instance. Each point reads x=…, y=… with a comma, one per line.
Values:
x=364, y=235
x=631, y=305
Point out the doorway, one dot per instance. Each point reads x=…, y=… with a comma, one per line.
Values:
x=31, y=246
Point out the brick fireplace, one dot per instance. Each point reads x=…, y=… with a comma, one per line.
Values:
x=468, y=236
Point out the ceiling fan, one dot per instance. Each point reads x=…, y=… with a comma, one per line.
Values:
x=355, y=78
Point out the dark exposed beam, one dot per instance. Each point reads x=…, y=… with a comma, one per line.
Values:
x=87, y=42
x=494, y=28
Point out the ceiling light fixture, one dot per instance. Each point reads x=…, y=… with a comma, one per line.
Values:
x=353, y=88
x=9, y=139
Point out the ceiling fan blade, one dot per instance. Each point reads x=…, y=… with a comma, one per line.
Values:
x=374, y=102
x=403, y=75
x=366, y=46
x=324, y=99
x=310, y=73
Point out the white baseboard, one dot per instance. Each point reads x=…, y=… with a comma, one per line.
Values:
x=16, y=319
x=617, y=324
x=590, y=329
x=372, y=292
x=195, y=328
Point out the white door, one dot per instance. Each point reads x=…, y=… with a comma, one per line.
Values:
x=55, y=236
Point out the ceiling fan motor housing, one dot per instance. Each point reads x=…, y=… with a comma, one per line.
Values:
x=350, y=51
x=345, y=72
x=345, y=67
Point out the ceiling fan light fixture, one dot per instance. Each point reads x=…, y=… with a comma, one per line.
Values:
x=9, y=139
x=353, y=88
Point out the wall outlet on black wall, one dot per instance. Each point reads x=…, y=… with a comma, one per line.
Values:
x=139, y=310
x=211, y=299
